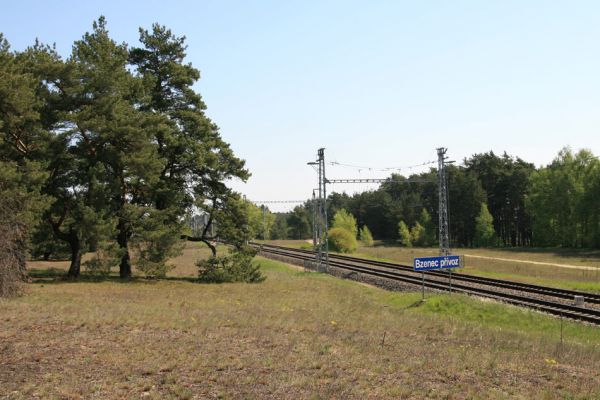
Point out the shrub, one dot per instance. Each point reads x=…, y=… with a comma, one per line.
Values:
x=404, y=234
x=236, y=266
x=365, y=236
x=342, y=240
x=156, y=240
x=108, y=255
x=417, y=235
x=343, y=219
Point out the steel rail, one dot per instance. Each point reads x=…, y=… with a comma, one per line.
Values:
x=561, y=309
x=538, y=289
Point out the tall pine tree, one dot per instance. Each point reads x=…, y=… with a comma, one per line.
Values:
x=196, y=160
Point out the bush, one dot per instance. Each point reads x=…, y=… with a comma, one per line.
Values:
x=237, y=266
x=342, y=240
x=156, y=239
x=365, y=236
x=343, y=219
x=108, y=255
x=404, y=234
x=417, y=235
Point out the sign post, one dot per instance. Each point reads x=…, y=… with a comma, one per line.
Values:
x=434, y=263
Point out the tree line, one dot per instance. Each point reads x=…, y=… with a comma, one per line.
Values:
x=110, y=150
x=495, y=200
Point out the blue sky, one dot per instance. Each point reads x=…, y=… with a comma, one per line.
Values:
x=377, y=83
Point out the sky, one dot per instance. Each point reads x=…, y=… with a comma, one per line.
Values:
x=378, y=84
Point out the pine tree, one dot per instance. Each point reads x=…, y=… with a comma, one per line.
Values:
x=196, y=160
x=114, y=136
x=24, y=140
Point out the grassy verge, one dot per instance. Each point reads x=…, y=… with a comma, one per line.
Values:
x=297, y=335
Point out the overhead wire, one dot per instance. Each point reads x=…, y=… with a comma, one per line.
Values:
x=382, y=169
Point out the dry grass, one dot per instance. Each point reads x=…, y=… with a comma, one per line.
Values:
x=297, y=335
x=184, y=265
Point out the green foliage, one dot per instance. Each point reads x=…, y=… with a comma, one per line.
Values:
x=365, y=236
x=465, y=197
x=280, y=227
x=260, y=221
x=197, y=160
x=344, y=220
x=107, y=256
x=21, y=187
x=342, y=240
x=156, y=239
x=422, y=232
x=129, y=146
x=404, y=234
x=417, y=234
x=428, y=238
x=22, y=130
x=563, y=201
x=506, y=183
x=237, y=266
x=21, y=202
x=45, y=246
x=233, y=219
x=298, y=222
x=485, y=236
x=113, y=133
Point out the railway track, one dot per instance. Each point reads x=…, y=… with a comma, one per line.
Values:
x=543, y=298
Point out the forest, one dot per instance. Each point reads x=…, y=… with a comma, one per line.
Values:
x=550, y=206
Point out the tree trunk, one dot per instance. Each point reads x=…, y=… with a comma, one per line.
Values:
x=20, y=257
x=125, y=266
x=123, y=239
x=212, y=248
x=208, y=242
x=75, y=267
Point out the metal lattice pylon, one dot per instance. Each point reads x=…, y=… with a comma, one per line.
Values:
x=324, y=234
x=444, y=230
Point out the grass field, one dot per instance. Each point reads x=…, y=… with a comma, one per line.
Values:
x=513, y=264
x=296, y=335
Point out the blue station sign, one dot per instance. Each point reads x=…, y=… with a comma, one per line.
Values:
x=442, y=262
